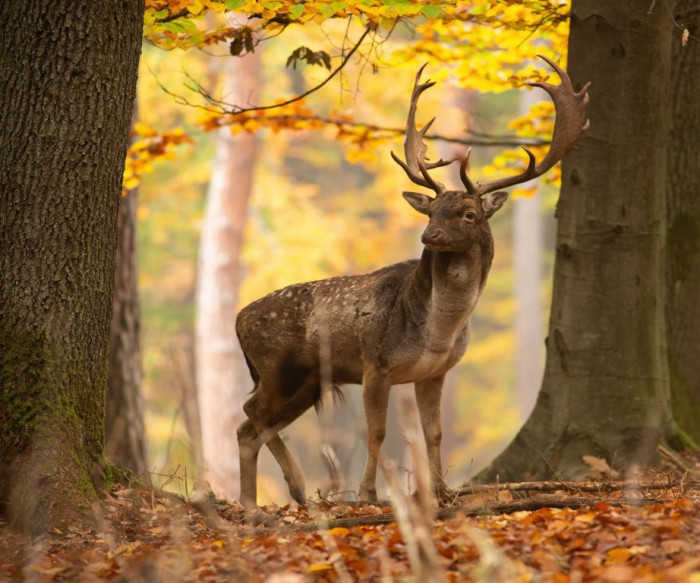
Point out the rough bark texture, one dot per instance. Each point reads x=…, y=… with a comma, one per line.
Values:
x=605, y=391
x=222, y=381
x=124, y=426
x=683, y=242
x=67, y=84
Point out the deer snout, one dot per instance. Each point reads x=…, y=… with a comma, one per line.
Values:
x=431, y=237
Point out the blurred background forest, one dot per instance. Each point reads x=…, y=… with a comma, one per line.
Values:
x=325, y=204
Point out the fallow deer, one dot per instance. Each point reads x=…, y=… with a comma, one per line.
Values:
x=404, y=323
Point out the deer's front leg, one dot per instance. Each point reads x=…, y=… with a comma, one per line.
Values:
x=428, y=395
x=375, y=394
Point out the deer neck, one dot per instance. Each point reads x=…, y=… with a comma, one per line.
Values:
x=445, y=290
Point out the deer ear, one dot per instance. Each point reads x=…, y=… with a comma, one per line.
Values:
x=492, y=202
x=420, y=202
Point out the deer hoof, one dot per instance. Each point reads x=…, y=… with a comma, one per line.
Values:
x=445, y=495
x=249, y=504
x=297, y=495
x=368, y=495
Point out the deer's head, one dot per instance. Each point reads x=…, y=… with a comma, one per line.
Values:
x=459, y=218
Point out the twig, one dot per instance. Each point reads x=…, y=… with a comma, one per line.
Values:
x=551, y=469
x=677, y=461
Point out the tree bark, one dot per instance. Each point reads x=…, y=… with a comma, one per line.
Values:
x=605, y=391
x=124, y=425
x=683, y=207
x=67, y=85
x=222, y=376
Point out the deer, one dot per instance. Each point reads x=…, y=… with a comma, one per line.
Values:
x=405, y=323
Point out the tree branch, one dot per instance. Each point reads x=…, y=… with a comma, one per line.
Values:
x=480, y=509
x=483, y=139
x=230, y=108
x=174, y=16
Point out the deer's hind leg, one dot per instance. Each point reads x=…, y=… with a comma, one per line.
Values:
x=249, y=444
x=268, y=413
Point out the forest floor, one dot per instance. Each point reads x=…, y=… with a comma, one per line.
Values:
x=644, y=529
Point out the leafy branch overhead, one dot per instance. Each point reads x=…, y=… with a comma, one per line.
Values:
x=458, y=40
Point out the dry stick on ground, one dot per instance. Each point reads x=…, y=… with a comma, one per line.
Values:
x=551, y=486
x=529, y=504
x=677, y=461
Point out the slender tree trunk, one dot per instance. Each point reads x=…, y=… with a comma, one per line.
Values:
x=527, y=255
x=67, y=85
x=683, y=242
x=124, y=426
x=605, y=391
x=222, y=377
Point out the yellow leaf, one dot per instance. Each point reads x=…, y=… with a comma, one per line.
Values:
x=524, y=192
x=143, y=129
x=131, y=182
x=196, y=7
x=216, y=7
x=319, y=568
x=252, y=125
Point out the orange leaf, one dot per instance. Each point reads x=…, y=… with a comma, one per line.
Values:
x=339, y=531
x=617, y=555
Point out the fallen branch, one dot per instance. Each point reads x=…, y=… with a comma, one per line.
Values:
x=481, y=509
x=552, y=486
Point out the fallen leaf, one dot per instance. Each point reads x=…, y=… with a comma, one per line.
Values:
x=617, y=555
x=339, y=531
x=319, y=568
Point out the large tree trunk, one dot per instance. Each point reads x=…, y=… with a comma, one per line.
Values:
x=605, y=391
x=67, y=84
x=124, y=425
x=222, y=377
x=683, y=243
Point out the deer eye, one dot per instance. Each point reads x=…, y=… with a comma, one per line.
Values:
x=470, y=215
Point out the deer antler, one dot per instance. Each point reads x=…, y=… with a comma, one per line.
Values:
x=569, y=126
x=416, y=165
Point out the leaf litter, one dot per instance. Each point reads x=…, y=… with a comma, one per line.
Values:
x=649, y=533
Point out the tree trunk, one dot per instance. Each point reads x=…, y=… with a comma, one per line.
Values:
x=683, y=207
x=124, y=426
x=67, y=86
x=527, y=258
x=222, y=376
x=605, y=391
